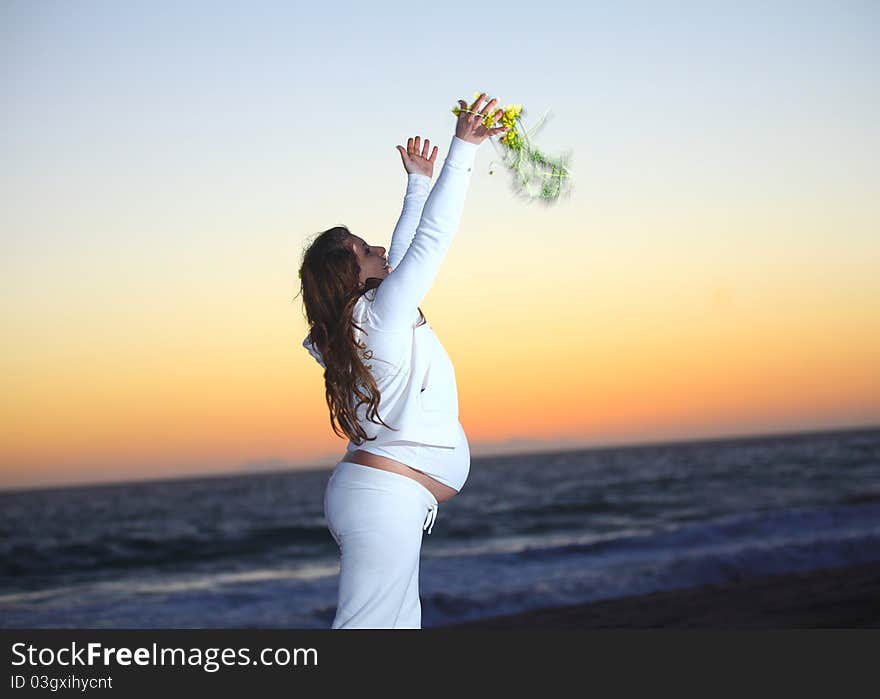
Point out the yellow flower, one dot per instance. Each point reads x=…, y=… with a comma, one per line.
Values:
x=489, y=119
x=513, y=139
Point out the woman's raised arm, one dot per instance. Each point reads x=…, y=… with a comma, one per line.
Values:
x=399, y=295
x=401, y=292
x=419, y=168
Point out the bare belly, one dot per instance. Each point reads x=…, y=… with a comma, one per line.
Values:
x=439, y=490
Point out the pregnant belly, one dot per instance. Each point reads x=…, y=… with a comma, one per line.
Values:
x=439, y=490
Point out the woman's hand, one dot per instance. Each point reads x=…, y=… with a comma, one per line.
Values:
x=470, y=126
x=413, y=162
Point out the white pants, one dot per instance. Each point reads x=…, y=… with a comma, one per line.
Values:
x=377, y=518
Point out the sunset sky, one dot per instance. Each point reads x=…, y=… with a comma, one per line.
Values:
x=713, y=273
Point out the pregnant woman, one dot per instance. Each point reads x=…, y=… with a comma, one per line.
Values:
x=389, y=384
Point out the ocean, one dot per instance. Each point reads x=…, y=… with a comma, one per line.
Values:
x=526, y=531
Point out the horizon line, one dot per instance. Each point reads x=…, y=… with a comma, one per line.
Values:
x=539, y=447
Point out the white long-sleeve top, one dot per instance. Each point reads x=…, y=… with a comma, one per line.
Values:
x=411, y=368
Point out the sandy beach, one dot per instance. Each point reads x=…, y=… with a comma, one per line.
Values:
x=830, y=598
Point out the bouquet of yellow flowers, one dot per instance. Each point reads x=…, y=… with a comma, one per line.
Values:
x=537, y=175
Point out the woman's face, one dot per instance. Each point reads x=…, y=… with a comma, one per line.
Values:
x=371, y=259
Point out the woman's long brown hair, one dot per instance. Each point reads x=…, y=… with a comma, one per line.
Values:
x=330, y=287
